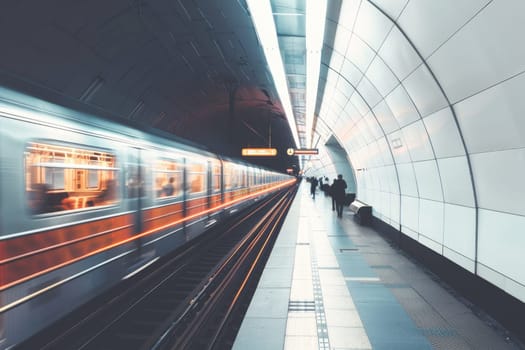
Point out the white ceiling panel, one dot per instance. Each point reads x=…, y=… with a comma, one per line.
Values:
x=385, y=117
x=344, y=86
x=482, y=54
x=365, y=132
x=444, y=134
x=342, y=38
x=430, y=23
x=381, y=76
x=499, y=180
x=399, y=55
x=371, y=25
x=359, y=104
x=339, y=100
x=351, y=72
x=455, y=177
x=494, y=119
x=424, y=91
x=417, y=141
x=348, y=13
x=336, y=61
x=359, y=53
x=428, y=181
x=369, y=92
x=392, y=8
x=373, y=125
x=401, y=106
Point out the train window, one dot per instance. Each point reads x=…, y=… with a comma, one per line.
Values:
x=63, y=177
x=216, y=177
x=227, y=176
x=196, y=178
x=168, y=177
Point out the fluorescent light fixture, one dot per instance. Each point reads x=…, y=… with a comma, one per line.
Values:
x=261, y=12
x=315, y=25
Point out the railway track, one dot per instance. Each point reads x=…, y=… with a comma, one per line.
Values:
x=185, y=301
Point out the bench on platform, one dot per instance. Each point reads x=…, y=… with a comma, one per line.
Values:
x=362, y=212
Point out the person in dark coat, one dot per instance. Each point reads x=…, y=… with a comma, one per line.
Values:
x=339, y=193
x=331, y=190
x=313, y=185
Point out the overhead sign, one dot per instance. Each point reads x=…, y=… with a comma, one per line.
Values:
x=259, y=152
x=301, y=151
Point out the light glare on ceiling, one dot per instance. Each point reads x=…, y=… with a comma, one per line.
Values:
x=262, y=17
x=315, y=25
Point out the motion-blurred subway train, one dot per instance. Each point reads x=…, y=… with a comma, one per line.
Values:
x=86, y=202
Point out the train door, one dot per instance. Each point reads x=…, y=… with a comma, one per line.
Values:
x=135, y=192
x=135, y=189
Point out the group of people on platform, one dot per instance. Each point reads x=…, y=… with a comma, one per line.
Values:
x=337, y=190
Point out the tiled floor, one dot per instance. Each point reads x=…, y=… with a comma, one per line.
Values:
x=331, y=284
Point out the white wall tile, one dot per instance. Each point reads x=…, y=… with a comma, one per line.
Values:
x=369, y=92
x=460, y=230
x=401, y=106
x=385, y=117
x=493, y=119
x=501, y=241
x=430, y=23
x=371, y=25
x=424, y=91
x=428, y=181
x=444, y=134
x=392, y=8
x=431, y=219
x=348, y=13
x=350, y=71
x=407, y=179
x=359, y=104
x=482, y=54
x=399, y=147
x=381, y=76
x=385, y=151
x=359, y=53
x=399, y=55
x=410, y=212
x=417, y=141
x=457, y=184
x=499, y=178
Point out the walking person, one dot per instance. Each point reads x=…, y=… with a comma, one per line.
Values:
x=339, y=193
x=313, y=185
x=331, y=190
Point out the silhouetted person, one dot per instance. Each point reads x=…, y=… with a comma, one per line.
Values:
x=313, y=185
x=331, y=190
x=339, y=193
x=168, y=188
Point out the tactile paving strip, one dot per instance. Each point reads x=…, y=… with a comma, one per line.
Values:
x=320, y=316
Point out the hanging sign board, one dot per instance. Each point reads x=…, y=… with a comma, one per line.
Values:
x=259, y=152
x=302, y=151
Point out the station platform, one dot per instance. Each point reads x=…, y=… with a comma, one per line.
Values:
x=332, y=284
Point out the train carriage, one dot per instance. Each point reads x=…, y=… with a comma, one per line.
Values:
x=86, y=202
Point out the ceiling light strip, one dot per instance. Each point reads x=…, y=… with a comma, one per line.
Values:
x=315, y=26
x=261, y=12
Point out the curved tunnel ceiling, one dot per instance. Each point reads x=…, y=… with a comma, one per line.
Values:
x=191, y=68
x=426, y=99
